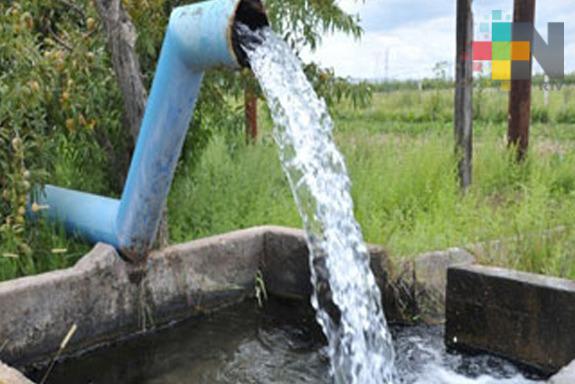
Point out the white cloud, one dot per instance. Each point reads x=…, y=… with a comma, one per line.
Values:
x=416, y=34
x=410, y=52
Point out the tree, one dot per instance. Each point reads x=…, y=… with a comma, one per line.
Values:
x=58, y=117
x=70, y=109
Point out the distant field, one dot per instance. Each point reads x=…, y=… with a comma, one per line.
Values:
x=399, y=154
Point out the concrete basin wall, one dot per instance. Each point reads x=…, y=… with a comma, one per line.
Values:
x=527, y=318
x=109, y=299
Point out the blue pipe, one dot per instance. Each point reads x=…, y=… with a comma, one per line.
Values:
x=91, y=216
x=199, y=36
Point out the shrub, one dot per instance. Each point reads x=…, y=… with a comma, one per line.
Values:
x=59, y=105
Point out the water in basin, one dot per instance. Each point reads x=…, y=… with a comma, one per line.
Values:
x=279, y=344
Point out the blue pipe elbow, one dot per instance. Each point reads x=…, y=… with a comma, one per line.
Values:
x=199, y=36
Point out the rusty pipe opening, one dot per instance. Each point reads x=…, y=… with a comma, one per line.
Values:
x=252, y=14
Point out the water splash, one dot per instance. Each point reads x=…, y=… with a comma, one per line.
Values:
x=346, y=297
x=422, y=358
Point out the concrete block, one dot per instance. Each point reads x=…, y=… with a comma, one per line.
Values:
x=430, y=281
x=524, y=317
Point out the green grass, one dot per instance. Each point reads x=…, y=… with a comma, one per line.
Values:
x=404, y=187
x=490, y=105
x=399, y=155
x=42, y=246
x=49, y=249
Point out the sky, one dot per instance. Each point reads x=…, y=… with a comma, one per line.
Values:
x=403, y=39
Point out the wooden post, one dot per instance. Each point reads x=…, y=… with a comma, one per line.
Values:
x=251, y=115
x=520, y=96
x=464, y=93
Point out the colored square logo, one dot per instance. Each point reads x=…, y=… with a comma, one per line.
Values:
x=506, y=49
x=497, y=15
x=482, y=50
x=501, y=31
x=501, y=70
x=521, y=51
x=501, y=51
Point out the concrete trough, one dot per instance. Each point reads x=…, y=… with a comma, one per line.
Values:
x=526, y=318
x=109, y=300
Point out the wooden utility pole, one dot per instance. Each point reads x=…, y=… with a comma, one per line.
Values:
x=464, y=93
x=520, y=96
x=251, y=114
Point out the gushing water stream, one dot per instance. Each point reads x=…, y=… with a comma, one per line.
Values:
x=346, y=297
